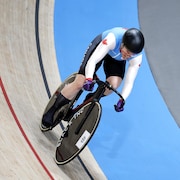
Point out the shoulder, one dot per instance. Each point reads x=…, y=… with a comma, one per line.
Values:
x=109, y=40
x=137, y=60
x=117, y=31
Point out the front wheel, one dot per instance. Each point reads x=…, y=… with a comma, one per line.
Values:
x=72, y=143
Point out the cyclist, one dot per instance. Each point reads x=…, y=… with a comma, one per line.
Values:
x=113, y=48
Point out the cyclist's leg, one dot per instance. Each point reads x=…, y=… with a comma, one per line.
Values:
x=66, y=95
x=71, y=90
x=47, y=120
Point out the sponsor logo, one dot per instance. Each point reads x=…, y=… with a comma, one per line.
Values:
x=75, y=116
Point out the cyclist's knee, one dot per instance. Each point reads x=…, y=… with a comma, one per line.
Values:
x=115, y=81
x=79, y=81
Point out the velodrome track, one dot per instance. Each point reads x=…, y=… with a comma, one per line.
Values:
x=28, y=76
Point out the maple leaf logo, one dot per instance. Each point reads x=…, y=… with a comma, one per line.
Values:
x=104, y=41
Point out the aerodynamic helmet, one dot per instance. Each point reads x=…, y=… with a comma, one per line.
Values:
x=133, y=40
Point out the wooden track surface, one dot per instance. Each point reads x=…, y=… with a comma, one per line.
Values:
x=26, y=152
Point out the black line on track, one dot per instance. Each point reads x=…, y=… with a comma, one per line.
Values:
x=43, y=72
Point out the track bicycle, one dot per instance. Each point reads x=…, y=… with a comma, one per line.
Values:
x=82, y=120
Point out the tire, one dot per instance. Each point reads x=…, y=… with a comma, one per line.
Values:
x=70, y=143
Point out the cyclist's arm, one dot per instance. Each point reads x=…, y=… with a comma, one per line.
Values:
x=131, y=73
x=107, y=44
